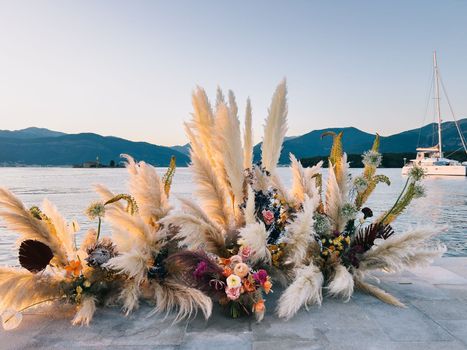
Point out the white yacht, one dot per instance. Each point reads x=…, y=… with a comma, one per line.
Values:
x=432, y=159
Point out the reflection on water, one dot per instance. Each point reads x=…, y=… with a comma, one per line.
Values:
x=72, y=189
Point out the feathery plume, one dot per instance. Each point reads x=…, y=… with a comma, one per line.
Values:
x=300, y=232
x=377, y=293
x=248, y=137
x=305, y=290
x=184, y=300
x=403, y=251
x=86, y=311
x=18, y=218
x=63, y=231
x=341, y=284
x=275, y=128
x=195, y=233
x=255, y=237
x=229, y=145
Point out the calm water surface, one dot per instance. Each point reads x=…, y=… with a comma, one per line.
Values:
x=71, y=190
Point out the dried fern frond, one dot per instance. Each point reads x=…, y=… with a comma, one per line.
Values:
x=107, y=195
x=248, y=137
x=335, y=156
x=275, y=128
x=18, y=218
x=185, y=301
x=305, y=290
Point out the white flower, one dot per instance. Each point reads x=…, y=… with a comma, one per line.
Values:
x=95, y=210
x=372, y=158
x=349, y=211
x=234, y=281
x=321, y=224
x=416, y=173
x=360, y=183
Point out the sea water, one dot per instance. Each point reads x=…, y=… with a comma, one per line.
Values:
x=71, y=190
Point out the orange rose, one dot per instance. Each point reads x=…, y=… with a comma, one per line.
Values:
x=241, y=270
x=267, y=286
x=227, y=271
x=259, y=306
x=248, y=286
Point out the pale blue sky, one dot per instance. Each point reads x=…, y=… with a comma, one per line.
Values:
x=127, y=68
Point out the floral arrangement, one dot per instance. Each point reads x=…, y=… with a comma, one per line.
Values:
x=243, y=231
x=230, y=281
x=347, y=246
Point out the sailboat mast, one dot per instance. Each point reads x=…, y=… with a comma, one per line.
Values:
x=438, y=108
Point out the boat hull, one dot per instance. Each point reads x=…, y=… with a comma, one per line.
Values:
x=440, y=170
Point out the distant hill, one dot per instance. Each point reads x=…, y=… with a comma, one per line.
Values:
x=69, y=149
x=38, y=146
x=30, y=133
x=357, y=141
x=185, y=149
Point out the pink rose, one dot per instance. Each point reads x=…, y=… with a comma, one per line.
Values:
x=245, y=252
x=232, y=293
x=268, y=216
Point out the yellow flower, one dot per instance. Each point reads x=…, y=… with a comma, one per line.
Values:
x=79, y=290
x=87, y=284
x=347, y=239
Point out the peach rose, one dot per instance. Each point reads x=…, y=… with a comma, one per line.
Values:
x=232, y=293
x=241, y=270
x=235, y=259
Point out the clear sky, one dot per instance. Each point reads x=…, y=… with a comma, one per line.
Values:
x=127, y=68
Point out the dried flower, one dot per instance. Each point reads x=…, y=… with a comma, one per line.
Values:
x=349, y=211
x=372, y=158
x=419, y=191
x=268, y=216
x=95, y=210
x=232, y=293
x=360, y=183
x=367, y=212
x=416, y=173
x=100, y=252
x=87, y=284
x=241, y=270
x=321, y=224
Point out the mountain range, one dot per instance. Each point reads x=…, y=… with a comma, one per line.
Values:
x=44, y=147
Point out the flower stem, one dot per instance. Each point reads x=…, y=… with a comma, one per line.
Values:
x=29, y=306
x=98, y=229
x=397, y=201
